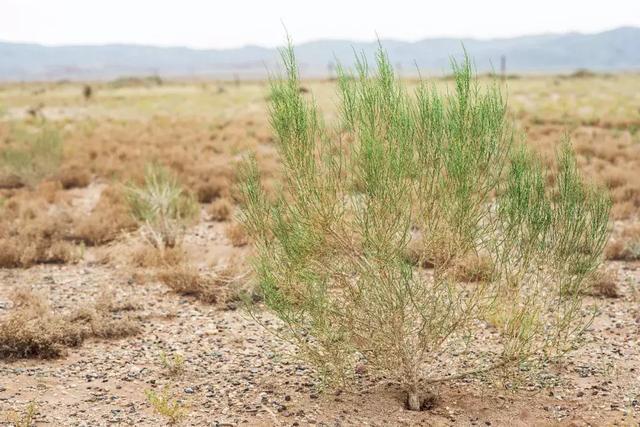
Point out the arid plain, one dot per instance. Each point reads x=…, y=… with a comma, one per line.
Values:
x=98, y=327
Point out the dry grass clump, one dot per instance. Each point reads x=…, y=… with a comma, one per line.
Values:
x=615, y=178
x=73, y=177
x=211, y=190
x=107, y=220
x=474, y=268
x=16, y=252
x=604, y=283
x=606, y=156
x=33, y=330
x=186, y=280
x=237, y=234
x=173, y=364
x=212, y=180
x=151, y=257
x=96, y=323
x=34, y=232
x=626, y=199
x=623, y=210
x=220, y=210
x=624, y=184
x=625, y=247
x=221, y=285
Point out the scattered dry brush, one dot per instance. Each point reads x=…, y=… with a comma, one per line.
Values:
x=32, y=329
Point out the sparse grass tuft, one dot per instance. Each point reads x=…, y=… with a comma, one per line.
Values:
x=162, y=207
x=25, y=418
x=97, y=324
x=166, y=405
x=173, y=364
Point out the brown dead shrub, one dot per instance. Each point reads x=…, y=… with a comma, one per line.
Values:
x=25, y=335
x=107, y=220
x=148, y=256
x=50, y=191
x=33, y=330
x=237, y=234
x=34, y=232
x=223, y=284
x=626, y=246
x=9, y=255
x=186, y=280
x=615, y=178
x=213, y=189
x=10, y=182
x=73, y=177
x=623, y=210
x=220, y=210
x=474, y=268
x=98, y=324
x=413, y=253
x=604, y=283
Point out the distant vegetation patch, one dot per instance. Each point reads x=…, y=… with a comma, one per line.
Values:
x=30, y=155
x=132, y=81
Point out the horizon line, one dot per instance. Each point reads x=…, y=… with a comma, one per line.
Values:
x=327, y=39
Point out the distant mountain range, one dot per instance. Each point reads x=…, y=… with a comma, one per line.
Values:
x=615, y=50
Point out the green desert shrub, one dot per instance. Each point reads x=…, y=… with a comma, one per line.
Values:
x=444, y=175
x=31, y=156
x=162, y=207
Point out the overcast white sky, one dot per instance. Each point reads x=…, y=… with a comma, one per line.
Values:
x=234, y=23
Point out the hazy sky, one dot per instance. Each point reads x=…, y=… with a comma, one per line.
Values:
x=233, y=23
